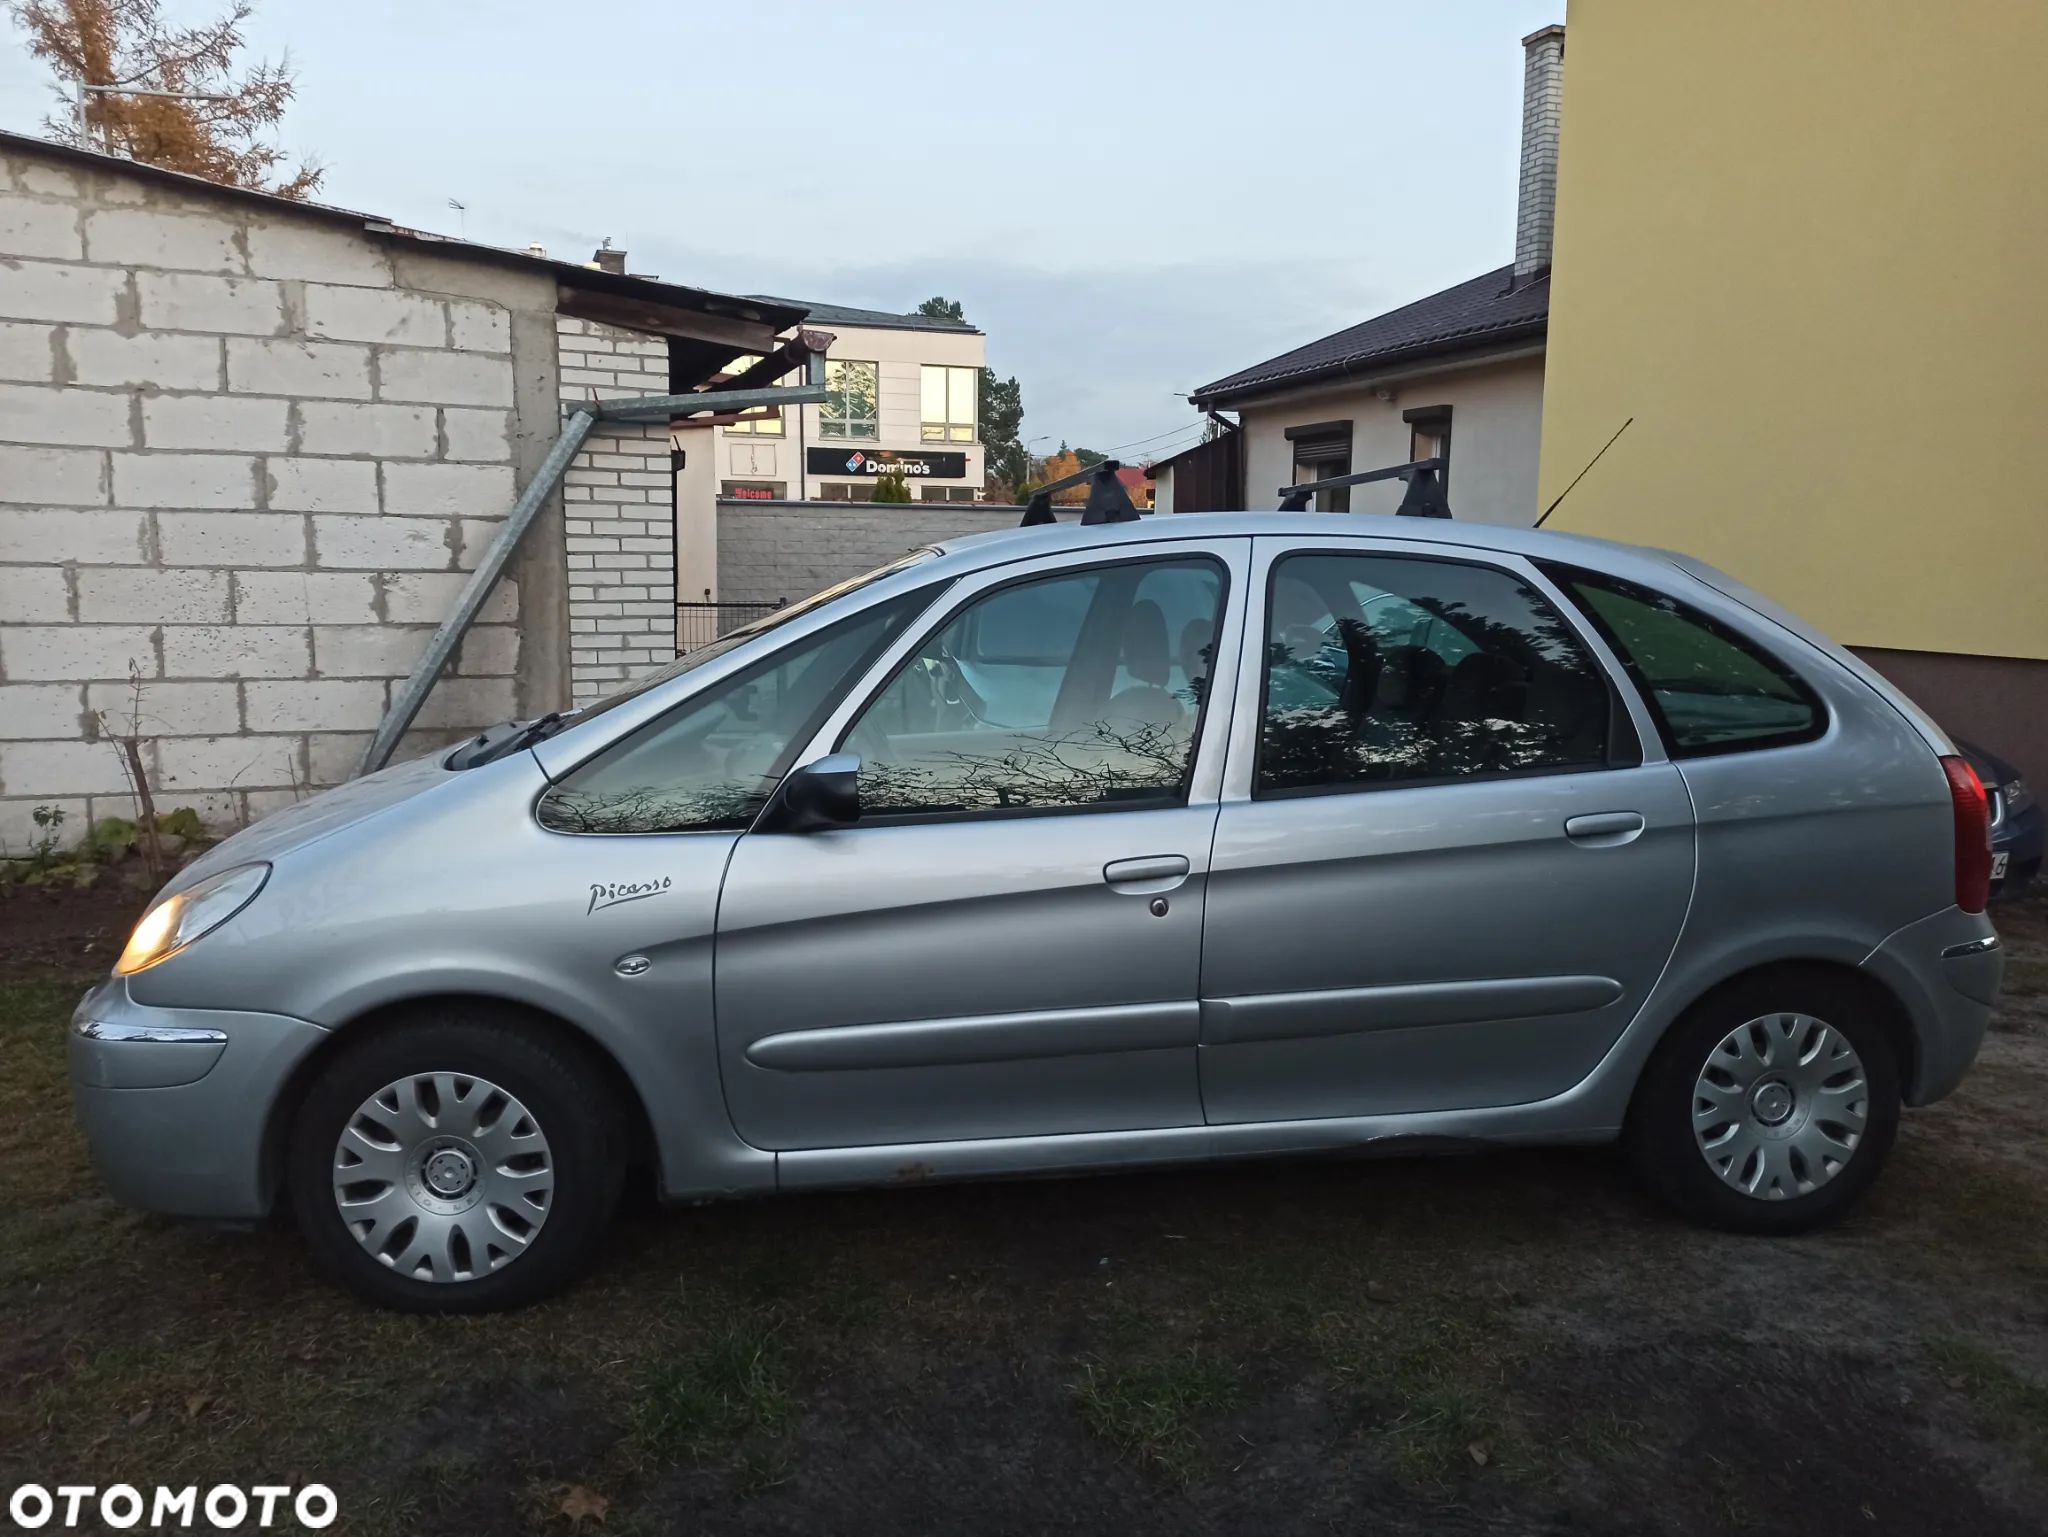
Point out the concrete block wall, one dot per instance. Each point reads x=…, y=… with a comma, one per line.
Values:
x=618, y=513
x=245, y=461
x=778, y=552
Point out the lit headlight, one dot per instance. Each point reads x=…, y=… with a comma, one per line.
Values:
x=176, y=921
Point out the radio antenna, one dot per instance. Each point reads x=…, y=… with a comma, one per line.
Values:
x=1567, y=491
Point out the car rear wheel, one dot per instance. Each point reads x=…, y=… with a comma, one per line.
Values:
x=1770, y=1107
x=456, y=1161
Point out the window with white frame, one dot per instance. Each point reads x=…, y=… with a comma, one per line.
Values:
x=764, y=421
x=852, y=390
x=946, y=398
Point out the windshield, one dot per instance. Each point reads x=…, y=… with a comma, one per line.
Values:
x=739, y=637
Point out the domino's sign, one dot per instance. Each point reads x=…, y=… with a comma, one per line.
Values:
x=870, y=462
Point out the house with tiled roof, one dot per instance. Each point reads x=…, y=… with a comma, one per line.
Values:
x=1456, y=375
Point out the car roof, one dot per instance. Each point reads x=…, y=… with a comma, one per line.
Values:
x=1538, y=544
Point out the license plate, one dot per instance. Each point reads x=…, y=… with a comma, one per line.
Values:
x=1998, y=864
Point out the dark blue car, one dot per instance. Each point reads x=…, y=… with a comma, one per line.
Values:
x=2018, y=828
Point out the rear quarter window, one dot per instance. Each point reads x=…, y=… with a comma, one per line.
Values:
x=1711, y=689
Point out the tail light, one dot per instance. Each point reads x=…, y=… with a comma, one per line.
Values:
x=1973, y=835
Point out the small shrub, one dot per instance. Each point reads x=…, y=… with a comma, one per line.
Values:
x=182, y=823
x=112, y=837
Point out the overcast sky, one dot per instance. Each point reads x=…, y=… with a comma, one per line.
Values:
x=1132, y=197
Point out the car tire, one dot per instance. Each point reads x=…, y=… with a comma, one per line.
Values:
x=544, y=1169
x=1706, y=1124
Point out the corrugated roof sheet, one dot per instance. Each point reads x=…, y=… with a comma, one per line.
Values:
x=1484, y=310
x=881, y=320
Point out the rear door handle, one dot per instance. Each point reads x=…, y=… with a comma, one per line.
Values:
x=1147, y=873
x=1604, y=829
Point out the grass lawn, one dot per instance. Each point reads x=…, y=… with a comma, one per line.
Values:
x=1512, y=1343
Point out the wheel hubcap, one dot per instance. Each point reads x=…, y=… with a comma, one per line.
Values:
x=450, y=1172
x=1780, y=1107
x=443, y=1176
x=1771, y=1103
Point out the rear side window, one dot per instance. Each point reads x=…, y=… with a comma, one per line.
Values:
x=1712, y=690
x=1386, y=669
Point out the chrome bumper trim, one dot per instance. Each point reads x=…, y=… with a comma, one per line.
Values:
x=1972, y=947
x=162, y=1035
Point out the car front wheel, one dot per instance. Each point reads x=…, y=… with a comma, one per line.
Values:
x=1770, y=1107
x=459, y=1160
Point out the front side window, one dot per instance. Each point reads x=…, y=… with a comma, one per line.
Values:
x=1388, y=670
x=1081, y=690
x=1711, y=690
x=850, y=409
x=946, y=403
x=712, y=762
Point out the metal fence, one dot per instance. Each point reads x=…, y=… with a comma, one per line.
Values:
x=699, y=624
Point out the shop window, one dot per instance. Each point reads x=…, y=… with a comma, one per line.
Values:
x=753, y=490
x=846, y=491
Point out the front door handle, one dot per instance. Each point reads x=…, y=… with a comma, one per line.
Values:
x=1605, y=829
x=1148, y=873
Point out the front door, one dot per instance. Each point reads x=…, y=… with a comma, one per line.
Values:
x=1008, y=941
x=1445, y=876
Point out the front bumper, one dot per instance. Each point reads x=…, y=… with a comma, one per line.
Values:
x=1946, y=971
x=176, y=1103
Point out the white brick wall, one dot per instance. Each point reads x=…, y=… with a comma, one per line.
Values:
x=619, y=514
x=243, y=462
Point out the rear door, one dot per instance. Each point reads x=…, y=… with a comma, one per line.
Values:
x=1451, y=860
x=1007, y=943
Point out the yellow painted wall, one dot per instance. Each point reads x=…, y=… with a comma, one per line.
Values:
x=1805, y=245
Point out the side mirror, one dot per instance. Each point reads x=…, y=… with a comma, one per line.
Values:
x=820, y=795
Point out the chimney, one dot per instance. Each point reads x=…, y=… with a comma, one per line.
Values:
x=605, y=259
x=1542, y=100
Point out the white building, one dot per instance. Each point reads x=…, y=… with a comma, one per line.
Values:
x=903, y=396
x=1457, y=375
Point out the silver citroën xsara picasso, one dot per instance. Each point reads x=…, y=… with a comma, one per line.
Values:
x=1072, y=848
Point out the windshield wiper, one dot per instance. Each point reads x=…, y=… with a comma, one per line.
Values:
x=538, y=730
x=489, y=746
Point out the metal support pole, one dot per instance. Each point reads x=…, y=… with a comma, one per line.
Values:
x=405, y=705
x=662, y=408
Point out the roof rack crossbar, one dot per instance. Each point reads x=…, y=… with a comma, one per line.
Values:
x=1108, y=502
x=1425, y=498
